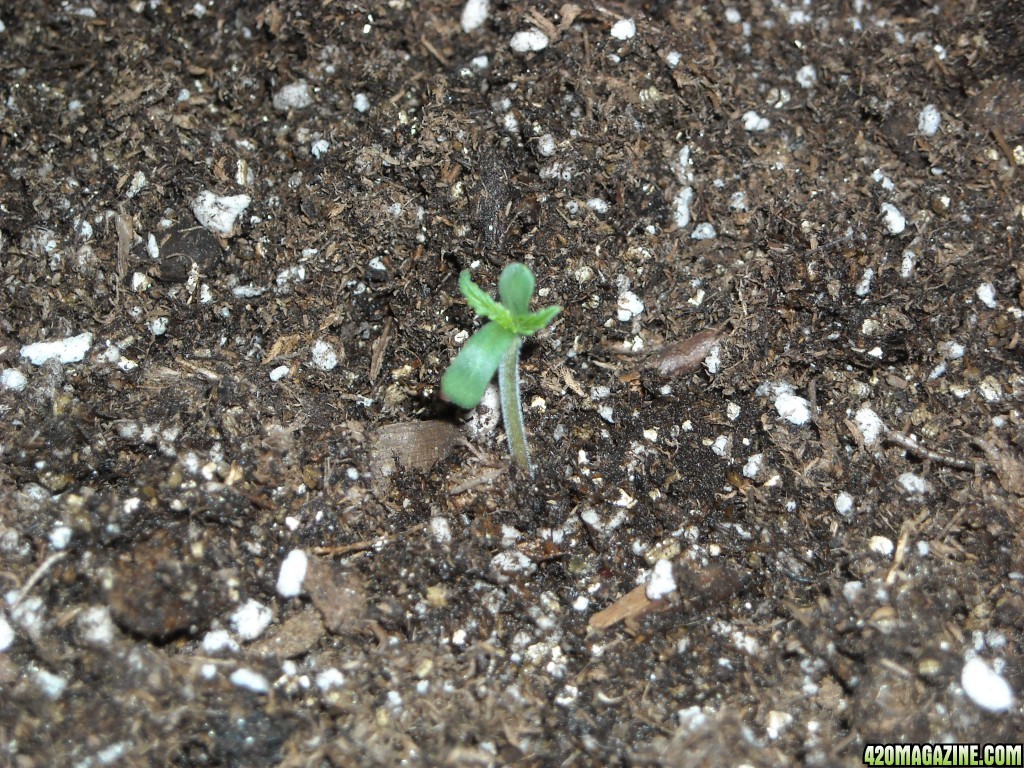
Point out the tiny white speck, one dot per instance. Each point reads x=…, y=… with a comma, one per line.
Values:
x=807, y=76
x=50, y=684
x=681, y=206
x=629, y=306
x=733, y=16
x=929, y=120
x=844, y=503
x=869, y=424
x=893, y=220
x=777, y=722
x=986, y=294
x=985, y=687
x=951, y=350
x=864, y=286
x=69, y=350
x=754, y=123
x=330, y=678
x=360, y=102
x=279, y=373
x=219, y=213
x=12, y=379
x=662, y=582
x=292, y=573
x=753, y=466
x=319, y=148
x=219, y=641
x=441, y=530
x=546, y=145
x=597, y=205
x=529, y=40
x=713, y=362
x=510, y=561
x=96, y=626
x=704, y=231
x=323, y=356
x=251, y=619
x=673, y=58
x=295, y=95
x=6, y=634
x=60, y=537
x=914, y=483
x=249, y=680
x=907, y=264
x=881, y=545
x=624, y=29
x=793, y=408
x=474, y=14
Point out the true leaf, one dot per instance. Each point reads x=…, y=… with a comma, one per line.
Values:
x=482, y=303
x=534, y=321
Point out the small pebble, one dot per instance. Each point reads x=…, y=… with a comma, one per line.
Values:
x=474, y=14
x=793, y=408
x=295, y=95
x=929, y=120
x=623, y=29
x=292, y=573
x=893, y=220
x=361, y=103
x=324, y=356
x=69, y=350
x=754, y=123
x=12, y=379
x=870, y=426
x=251, y=620
x=662, y=582
x=844, y=503
x=219, y=213
x=881, y=545
x=985, y=687
x=251, y=681
x=529, y=40
x=986, y=294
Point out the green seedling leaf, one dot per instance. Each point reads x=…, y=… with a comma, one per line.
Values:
x=529, y=324
x=495, y=348
x=515, y=287
x=466, y=380
x=482, y=303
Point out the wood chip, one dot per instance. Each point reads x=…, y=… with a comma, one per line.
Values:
x=682, y=357
x=412, y=445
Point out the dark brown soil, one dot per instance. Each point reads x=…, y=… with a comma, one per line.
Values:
x=712, y=403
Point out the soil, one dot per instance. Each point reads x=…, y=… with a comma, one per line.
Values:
x=777, y=428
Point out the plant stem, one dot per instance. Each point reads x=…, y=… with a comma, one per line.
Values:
x=512, y=408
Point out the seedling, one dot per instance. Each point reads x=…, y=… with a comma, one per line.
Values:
x=495, y=347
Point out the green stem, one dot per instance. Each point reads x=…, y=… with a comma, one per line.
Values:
x=512, y=408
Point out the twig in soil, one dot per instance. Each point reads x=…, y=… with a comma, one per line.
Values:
x=907, y=442
x=362, y=546
x=46, y=565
